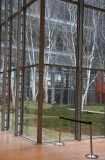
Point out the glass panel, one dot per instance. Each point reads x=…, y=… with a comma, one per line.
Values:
x=96, y=3
x=2, y=10
x=2, y=48
x=12, y=100
x=59, y=99
x=30, y=102
x=60, y=33
x=93, y=101
x=28, y=1
x=1, y=96
x=14, y=6
x=32, y=34
x=22, y=2
x=94, y=39
x=14, y=43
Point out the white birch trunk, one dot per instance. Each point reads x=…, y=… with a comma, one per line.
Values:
x=31, y=59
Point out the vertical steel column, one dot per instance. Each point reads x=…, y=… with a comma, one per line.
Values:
x=0, y=44
x=0, y=38
x=9, y=73
x=0, y=32
x=79, y=60
x=18, y=68
x=5, y=65
x=23, y=54
x=41, y=65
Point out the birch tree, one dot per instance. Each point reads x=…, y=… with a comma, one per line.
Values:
x=93, y=50
x=58, y=30
x=32, y=44
x=61, y=40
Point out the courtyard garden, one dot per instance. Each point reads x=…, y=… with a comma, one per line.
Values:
x=51, y=120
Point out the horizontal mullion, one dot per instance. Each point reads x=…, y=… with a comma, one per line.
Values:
x=28, y=4
x=54, y=65
x=13, y=16
x=70, y=1
x=95, y=69
x=50, y=65
x=10, y=70
x=2, y=24
x=1, y=72
x=95, y=8
x=35, y=65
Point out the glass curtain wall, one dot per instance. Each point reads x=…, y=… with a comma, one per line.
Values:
x=30, y=102
x=31, y=71
x=14, y=6
x=14, y=43
x=2, y=11
x=20, y=45
x=2, y=48
x=1, y=68
x=59, y=82
x=93, y=103
x=12, y=100
x=96, y=3
x=13, y=65
x=1, y=96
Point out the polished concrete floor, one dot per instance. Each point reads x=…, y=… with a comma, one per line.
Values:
x=17, y=148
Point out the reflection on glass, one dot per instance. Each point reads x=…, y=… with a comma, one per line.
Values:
x=30, y=102
x=14, y=43
x=32, y=34
x=22, y=2
x=59, y=99
x=2, y=49
x=94, y=39
x=93, y=102
x=60, y=33
x=12, y=100
x=96, y=3
x=2, y=11
x=1, y=95
x=28, y=1
x=14, y=6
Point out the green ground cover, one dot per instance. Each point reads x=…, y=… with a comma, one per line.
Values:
x=51, y=121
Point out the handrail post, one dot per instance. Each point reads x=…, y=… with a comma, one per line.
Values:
x=91, y=156
x=60, y=129
x=60, y=143
x=91, y=146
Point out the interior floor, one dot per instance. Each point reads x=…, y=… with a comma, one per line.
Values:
x=18, y=148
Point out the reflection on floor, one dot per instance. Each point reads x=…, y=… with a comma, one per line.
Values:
x=17, y=148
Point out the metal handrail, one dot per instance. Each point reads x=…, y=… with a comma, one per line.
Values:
x=92, y=156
